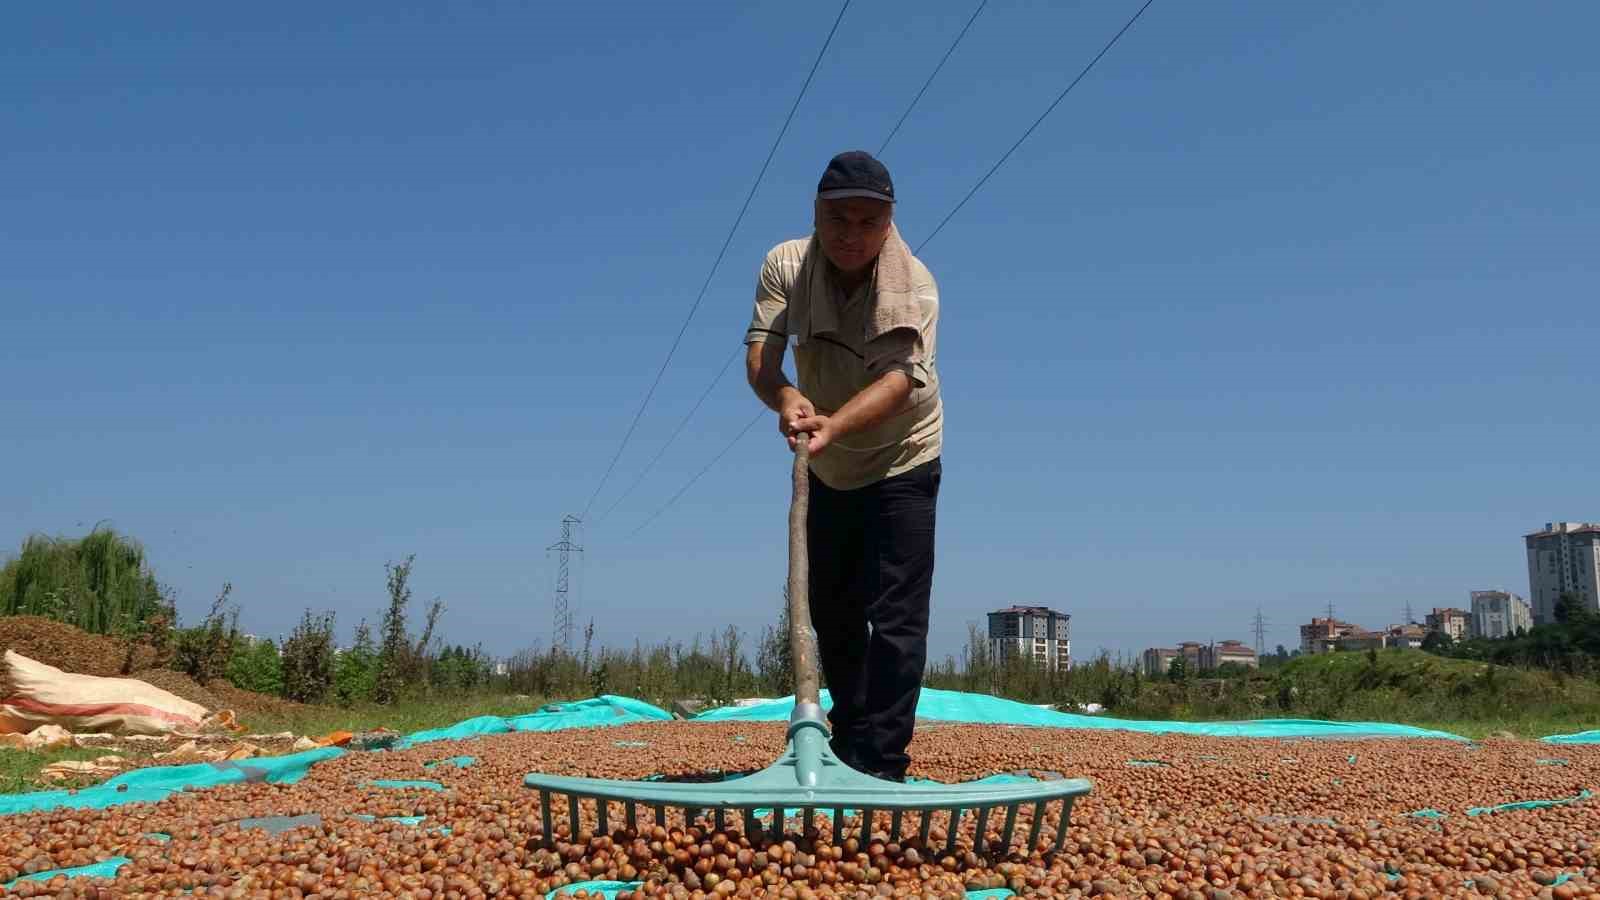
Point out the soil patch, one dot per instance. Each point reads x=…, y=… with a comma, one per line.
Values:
x=67, y=647
x=71, y=649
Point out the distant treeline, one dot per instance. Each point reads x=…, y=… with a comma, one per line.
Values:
x=103, y=584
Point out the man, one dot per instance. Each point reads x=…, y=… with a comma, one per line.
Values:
x=863, y=313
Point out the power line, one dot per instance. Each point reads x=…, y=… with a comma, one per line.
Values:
x=718, y=262
x=932, y=75
x=1059, y=97
x=673, y=437
x=714, y=460
x=718, y=379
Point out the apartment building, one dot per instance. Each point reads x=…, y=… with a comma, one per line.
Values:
x=1564, y=558
x=1198, y=657
x=1322, y=635
x=1499, y=614
x=1035, y=632
x=1455, y=622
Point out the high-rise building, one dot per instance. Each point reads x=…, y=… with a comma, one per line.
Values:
x=1455, y=622
x=1040, y=634
x=1564, y=558
x=1499, y=614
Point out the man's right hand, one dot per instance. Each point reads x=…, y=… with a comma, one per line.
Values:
x=795, y=407
x=764, y=370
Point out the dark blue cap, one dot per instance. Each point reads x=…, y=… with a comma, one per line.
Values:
x=855, y=174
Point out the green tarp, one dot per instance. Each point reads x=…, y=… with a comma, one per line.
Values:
x=459, y=762
x=153, y=784
x=610, y=889
x=401, y=784
x=607, y=889
x=603, y=710
x=1581, y=796
x=1530, y=804
x=158, y=783
x=106, y=868
x=1582, y=737
x=956, y=706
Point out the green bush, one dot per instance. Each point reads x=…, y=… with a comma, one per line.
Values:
x=356, y=671
x=100, y=583
x=204, y=652
x=257, y=666
x=459, y=669
x=308, y=659
x=394, y=657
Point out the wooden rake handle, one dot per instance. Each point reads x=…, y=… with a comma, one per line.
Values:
x=802, y=643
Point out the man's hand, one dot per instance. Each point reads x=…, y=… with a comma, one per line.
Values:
x=876, y=402
x=822, y=431
x=795, y=409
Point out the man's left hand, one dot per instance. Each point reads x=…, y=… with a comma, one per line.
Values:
x=822, y=431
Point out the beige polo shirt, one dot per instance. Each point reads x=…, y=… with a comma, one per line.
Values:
x=833, y=366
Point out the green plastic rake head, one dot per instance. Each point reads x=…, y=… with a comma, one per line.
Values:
x=809, y=778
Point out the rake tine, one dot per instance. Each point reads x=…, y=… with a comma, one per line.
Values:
x=751, y=825
x=866, y=826
x=894, y=827
x=1011, y=823
x=838, y=825
x=631, y=815
x=1033, y=830
x=777, y=822
x=955, y=827
x=602, y=819
x=1061, y=829
x=982, y=826
x=808, y=815
x=576, y=820
x=720, y=825
x=926, y=816
x=661, y=816
x=549, y=821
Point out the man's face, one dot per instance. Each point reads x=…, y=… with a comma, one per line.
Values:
x=853, y=230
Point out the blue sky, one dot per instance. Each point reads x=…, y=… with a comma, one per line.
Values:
x=1286, y=304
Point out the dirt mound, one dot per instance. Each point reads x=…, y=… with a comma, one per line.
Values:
x=71, y=649
x=178, y=683
x=66, y=647
x=247, y=703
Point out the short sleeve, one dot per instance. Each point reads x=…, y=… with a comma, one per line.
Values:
x=770, y=321
x=900, y=349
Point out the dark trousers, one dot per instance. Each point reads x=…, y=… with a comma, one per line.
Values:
x=871, y=575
